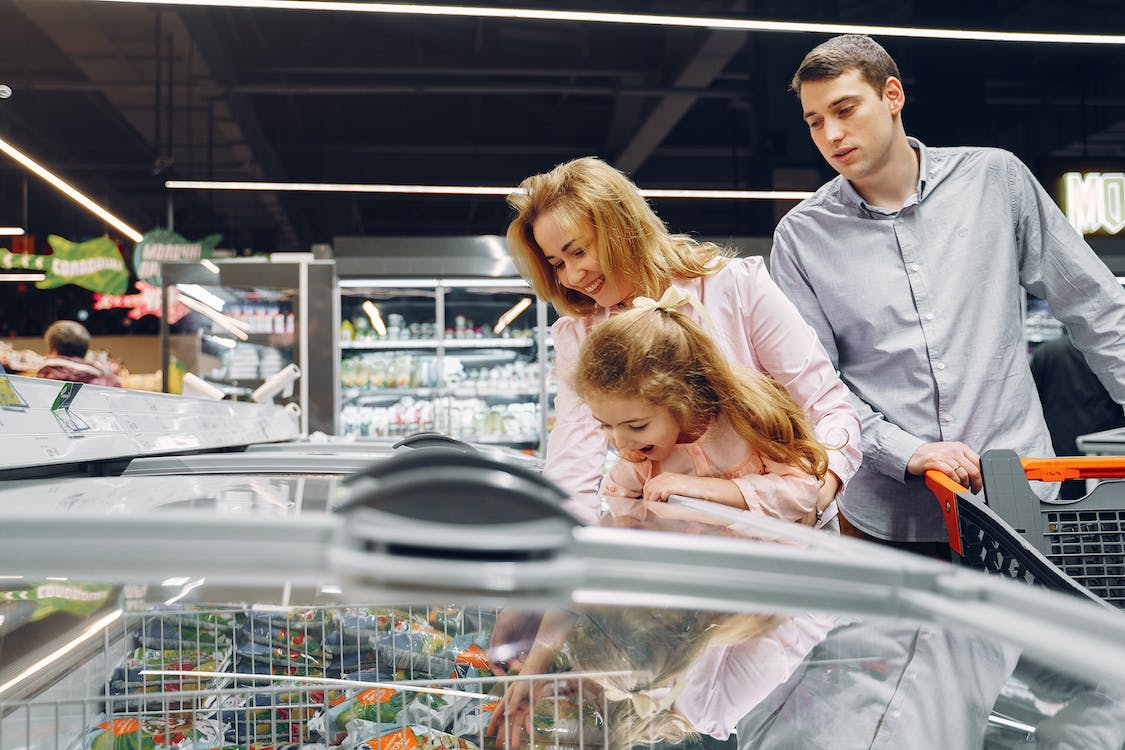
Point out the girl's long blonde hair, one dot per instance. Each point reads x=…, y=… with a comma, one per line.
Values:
x=634, y=246
x=664, y=357
x=660, y=645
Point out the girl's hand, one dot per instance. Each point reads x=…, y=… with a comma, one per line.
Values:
x=661, y=486
x=513, y=716
x=711, y=489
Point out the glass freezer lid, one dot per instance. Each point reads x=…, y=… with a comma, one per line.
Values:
x=671, y=613
x=219, y=493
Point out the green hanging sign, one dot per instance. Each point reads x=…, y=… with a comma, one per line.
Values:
x=96, y=265
x=162, y=245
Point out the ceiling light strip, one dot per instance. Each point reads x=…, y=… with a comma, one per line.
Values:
x=314, y=187
x=63, y=187
x=329, y=187
x=644, y=19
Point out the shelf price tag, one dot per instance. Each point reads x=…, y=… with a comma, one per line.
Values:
x=70, y=421
x=9, y=396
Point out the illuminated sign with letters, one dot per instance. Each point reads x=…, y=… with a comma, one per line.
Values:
x=1095, y=201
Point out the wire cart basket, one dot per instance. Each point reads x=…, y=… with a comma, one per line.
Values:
x=1077, y=547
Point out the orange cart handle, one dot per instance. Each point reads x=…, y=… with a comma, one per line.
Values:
x=1074, y=467
x=945, y=490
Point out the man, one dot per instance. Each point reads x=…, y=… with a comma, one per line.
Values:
x=909, y=266
x=67, y=343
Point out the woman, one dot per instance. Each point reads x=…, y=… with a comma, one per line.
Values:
x=587, y=241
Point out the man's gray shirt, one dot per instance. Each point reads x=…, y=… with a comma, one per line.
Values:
x=920, y=311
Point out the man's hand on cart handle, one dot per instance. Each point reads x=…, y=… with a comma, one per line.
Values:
x=956, y=460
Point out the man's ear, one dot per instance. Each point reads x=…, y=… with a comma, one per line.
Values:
x=894, y=95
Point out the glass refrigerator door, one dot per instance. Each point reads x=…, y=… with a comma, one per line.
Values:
x=468, y=358
x=250, y=329
x=496, y=364
x=435, y=598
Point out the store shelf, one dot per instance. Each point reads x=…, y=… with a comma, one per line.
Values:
x=451, y=343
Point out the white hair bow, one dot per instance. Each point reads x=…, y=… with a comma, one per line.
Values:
x=672, y=298
x=644, y=704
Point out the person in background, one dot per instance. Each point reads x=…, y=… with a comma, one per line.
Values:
x=586, y=240
x=67, y=344
x=684, y=421
x=1074, y=401
x=909, y=265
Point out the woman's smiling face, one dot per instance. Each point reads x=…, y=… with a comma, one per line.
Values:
x=574, y=256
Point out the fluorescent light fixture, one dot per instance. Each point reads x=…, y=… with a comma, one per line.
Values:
x=645, y=19
x=209, y=265
x=22, y=276
x=374, y=316
x=758, y=195
x=95, y=628
x=512, y=313
x=206, y=297
x=227, y=323
x=331, y=187
x=63, y=187
x=11, y=231
x=340, y=187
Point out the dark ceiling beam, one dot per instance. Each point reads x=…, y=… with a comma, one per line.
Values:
x=384, y=89
x=262, y=161
x=104, y=45
x=713, y=55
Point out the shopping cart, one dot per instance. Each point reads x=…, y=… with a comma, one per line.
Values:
x=1077, y=547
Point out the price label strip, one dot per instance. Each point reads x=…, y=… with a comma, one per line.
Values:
x=70, y=421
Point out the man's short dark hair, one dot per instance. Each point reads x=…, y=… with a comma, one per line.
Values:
x=843, y=53
x=68, y=338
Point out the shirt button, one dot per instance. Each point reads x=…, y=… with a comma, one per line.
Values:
x=914, y=267
x=929, y=316
x=947, y=418
x=939, y=365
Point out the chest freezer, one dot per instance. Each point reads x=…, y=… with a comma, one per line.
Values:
x=394, y=609
x=48, y=427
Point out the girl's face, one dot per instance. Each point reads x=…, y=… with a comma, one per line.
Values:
x=574, y=256
x=639, y=429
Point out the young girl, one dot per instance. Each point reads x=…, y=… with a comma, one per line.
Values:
x=684, y=421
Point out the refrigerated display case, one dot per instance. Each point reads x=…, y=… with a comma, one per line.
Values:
x=249, y=616
x=52, y=427
x=441, y=334
x=247, y=320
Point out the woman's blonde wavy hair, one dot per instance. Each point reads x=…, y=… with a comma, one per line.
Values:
x=633, y=245
x=664, y=357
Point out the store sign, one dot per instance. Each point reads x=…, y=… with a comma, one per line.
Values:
x=164, y=246
x=146, y=302
x=1095, y=201
x=96, y=265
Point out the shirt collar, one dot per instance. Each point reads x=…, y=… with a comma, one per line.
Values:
x=849, y=194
